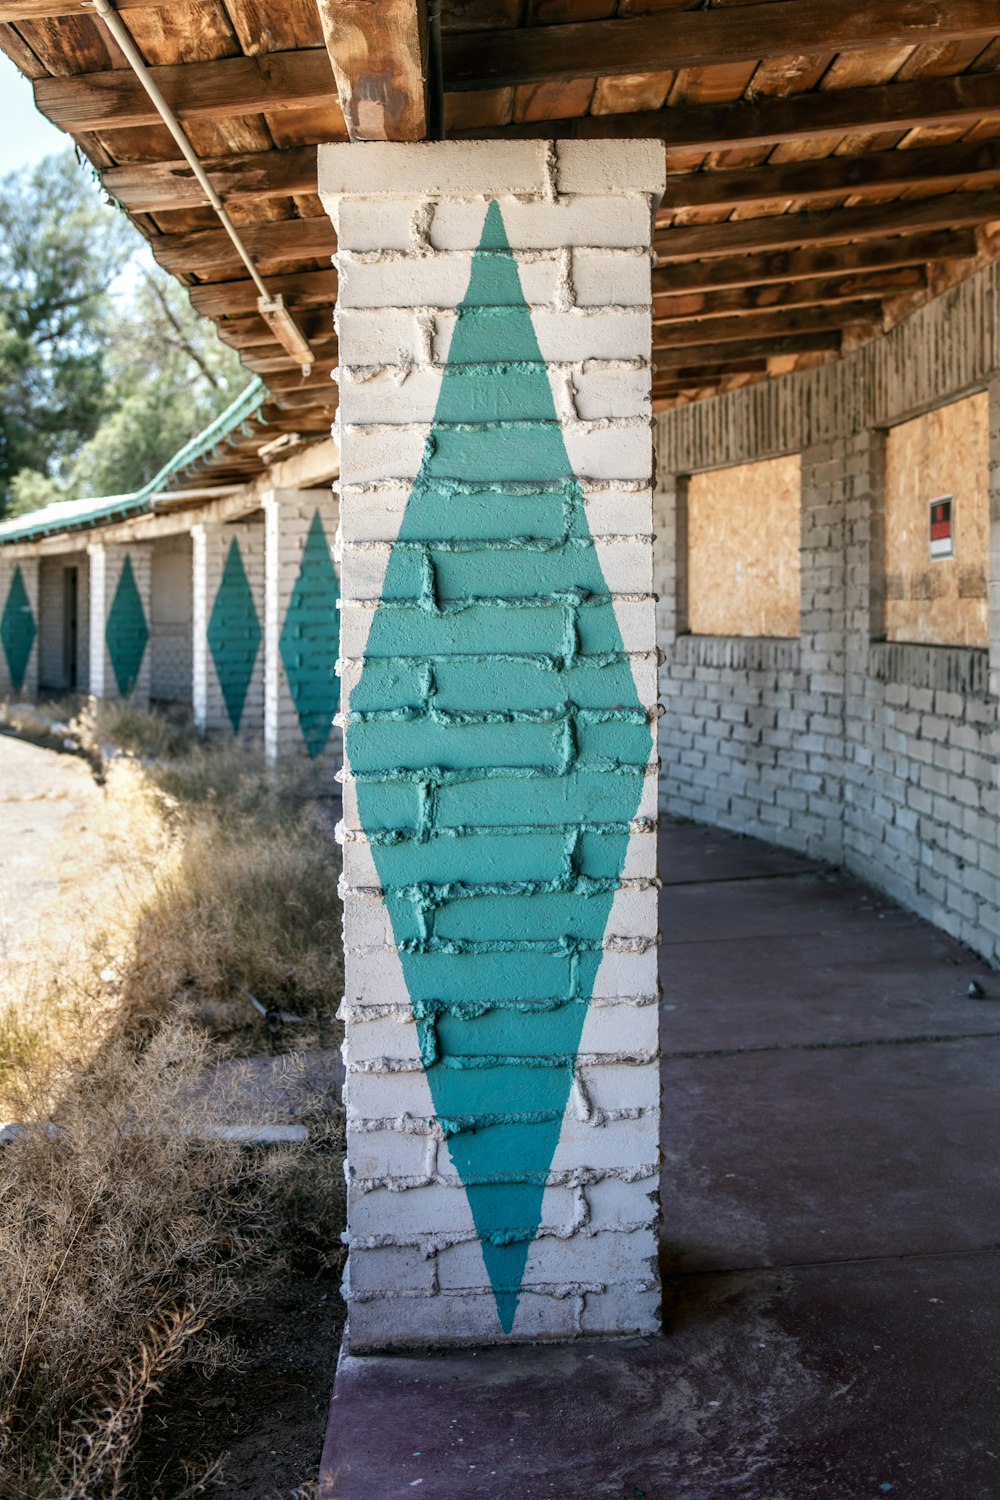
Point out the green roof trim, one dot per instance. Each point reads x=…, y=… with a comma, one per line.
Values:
x=123, y=507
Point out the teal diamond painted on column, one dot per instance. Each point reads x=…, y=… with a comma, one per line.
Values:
x=234, y=634
x=126, y=632
x=310, y=641
x=17, y=629
x=499, y=749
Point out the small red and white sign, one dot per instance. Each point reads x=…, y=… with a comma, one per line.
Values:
x=942, y=527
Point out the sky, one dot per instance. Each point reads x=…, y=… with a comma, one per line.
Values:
x=25, y=135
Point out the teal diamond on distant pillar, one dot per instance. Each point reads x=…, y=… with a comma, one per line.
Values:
x=17, y=629
x=126, y=632
x=234, y=635
x=310, y=641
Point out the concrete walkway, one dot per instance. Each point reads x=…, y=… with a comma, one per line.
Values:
x=41, y=793
x=831, y=1229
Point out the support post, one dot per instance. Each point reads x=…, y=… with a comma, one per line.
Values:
x=228, y=607
x=120, y=577
x=301, y=632
x=19, y=627
x=498, y=673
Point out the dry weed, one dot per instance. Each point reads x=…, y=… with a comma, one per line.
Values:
x=100, y=726
x=125, y=1232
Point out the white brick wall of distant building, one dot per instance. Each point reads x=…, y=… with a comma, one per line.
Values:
x=880, y=756
x=171, y=610
x=53, y=668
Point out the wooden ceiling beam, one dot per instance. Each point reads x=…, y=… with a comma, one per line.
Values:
x=12, y=11
x=765, y=325
x=705, y=39
x=806, y=181
x=151, y=187
x=713, y=127
x=274, y=363
x=115, y=99
x=319, y=380
x=225, y=299
x=205, y=252
x=780, y=266
x=378, y=50
x=705, y=307
x=783, y=231
x=251, y=332
x=701, y=380
x=728, y=355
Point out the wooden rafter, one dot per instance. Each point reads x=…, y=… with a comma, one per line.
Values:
x=764, y=325
x=807, y=181
x=227, y=86
x=742, y=270
x=203, y=252
x=221, y=299
x=692, y=307
x=774, y=121
x=378, y=49
x=149, y=187
x=759, y=347
x=42, y=10
x=783, y=231
x=705, y=38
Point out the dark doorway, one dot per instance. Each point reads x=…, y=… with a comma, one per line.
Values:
x=71, y=629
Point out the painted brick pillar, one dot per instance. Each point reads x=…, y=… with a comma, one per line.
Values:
x=498, y=672
x=19, y=627
x=301, y=631
x=120, y=587
x=227, y=628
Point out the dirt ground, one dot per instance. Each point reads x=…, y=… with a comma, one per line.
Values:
x=263, y=1423
x=41, y=794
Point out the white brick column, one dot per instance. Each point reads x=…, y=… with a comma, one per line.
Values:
x=228, y=628
x=498, y=663
x=301, y=631
x=120, y=579
x=19, y=627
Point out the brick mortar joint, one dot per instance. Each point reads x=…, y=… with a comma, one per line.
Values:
x=428, y=254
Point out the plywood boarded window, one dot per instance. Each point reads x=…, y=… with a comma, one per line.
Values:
x=940, y=601
x=743, y=542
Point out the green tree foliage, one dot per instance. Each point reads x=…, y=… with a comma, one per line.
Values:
x=60, y=249
x=105, y=369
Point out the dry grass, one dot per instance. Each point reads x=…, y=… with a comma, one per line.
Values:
x=125, y=1233
x=100, y=726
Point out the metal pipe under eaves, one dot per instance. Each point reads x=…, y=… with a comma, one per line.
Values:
x=272, y=309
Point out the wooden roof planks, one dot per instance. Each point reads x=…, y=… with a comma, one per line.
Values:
x=827, y=159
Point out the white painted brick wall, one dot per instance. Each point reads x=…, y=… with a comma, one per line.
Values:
x=106, y=563
x=579, y=222
x=288, y=515
x=211, y=543
x=885, y=757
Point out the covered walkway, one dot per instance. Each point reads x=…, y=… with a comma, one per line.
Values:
x=830, y=1237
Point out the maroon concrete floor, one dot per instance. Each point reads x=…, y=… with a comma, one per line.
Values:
x=831, y=1235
